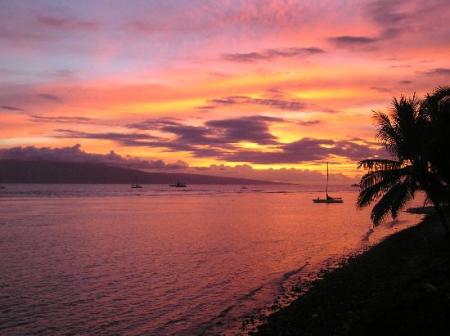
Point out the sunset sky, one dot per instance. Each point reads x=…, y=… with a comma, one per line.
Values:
x=192, y=84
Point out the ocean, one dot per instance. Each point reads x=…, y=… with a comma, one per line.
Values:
x=202, y=260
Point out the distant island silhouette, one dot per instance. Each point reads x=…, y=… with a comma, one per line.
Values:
x=18, y=171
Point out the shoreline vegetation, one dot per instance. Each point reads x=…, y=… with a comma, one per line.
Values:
x=400, y=286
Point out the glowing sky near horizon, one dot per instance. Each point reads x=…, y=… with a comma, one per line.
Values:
x=272, y=84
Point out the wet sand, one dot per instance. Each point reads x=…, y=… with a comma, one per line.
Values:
x=399, y=287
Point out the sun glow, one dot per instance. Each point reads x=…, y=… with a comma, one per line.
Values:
x=216, y=88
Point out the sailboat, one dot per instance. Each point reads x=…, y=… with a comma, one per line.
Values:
x=178, y=185
x=328, y=198
x=135, y=185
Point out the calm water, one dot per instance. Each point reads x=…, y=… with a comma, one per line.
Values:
x=107, y=259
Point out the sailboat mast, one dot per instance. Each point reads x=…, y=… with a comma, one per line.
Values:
x=326, y=189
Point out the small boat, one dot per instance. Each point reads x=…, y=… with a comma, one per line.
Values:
x=356, y=185
x=328, y=199
x=135, y=185
x=178, y=185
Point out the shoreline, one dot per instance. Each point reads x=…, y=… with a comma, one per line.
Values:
x=400, y=286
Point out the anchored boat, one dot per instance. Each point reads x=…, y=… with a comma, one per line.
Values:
x=178, y=185
x=328, y=198
x=135, y=184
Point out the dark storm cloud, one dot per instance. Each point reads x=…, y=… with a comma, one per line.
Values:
x=205, y=107
x=306, y=149
x=438, y=72
x=196, y=135
x=123, y=138
x=62, y=119
x=245, y=57
x=76, y=154
x=308, y=122
x=50, y=97
x=254, y=129
x=11, y=108
x=187, y=138
x=153, y=124
x=220, y=139
x=210, y=139
x=393, y=18
x=352, y=41
x=275, y=99
x=387, y=12
x=214, y=132
x=278, y=103
x=271, y=54
x=388, y=15
x=400, y=17
x=364, y=142
x=356, y=151
x=295, y=152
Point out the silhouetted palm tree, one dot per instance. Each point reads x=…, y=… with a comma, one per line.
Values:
x=409, y=134
x=436, y=111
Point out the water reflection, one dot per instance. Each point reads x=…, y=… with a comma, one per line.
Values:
x=87, y=259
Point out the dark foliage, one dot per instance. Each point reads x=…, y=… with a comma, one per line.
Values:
x=417, y=135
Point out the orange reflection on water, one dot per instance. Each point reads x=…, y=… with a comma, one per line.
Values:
x=164, y=261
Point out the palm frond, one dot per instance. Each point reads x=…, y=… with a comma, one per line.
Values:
x=376, y=176
x=375, y=183
x=417, y=134
x=379, y=164
x=432, y=101
x=405, y=110
x=405, y=193
x=386, y=132
x=406, y=124
x=392, y=201
x=369, y=194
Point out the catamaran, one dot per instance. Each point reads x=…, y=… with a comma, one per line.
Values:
x=328, y=198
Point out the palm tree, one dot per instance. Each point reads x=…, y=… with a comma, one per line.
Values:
x=436, y=111
x=409, y=135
